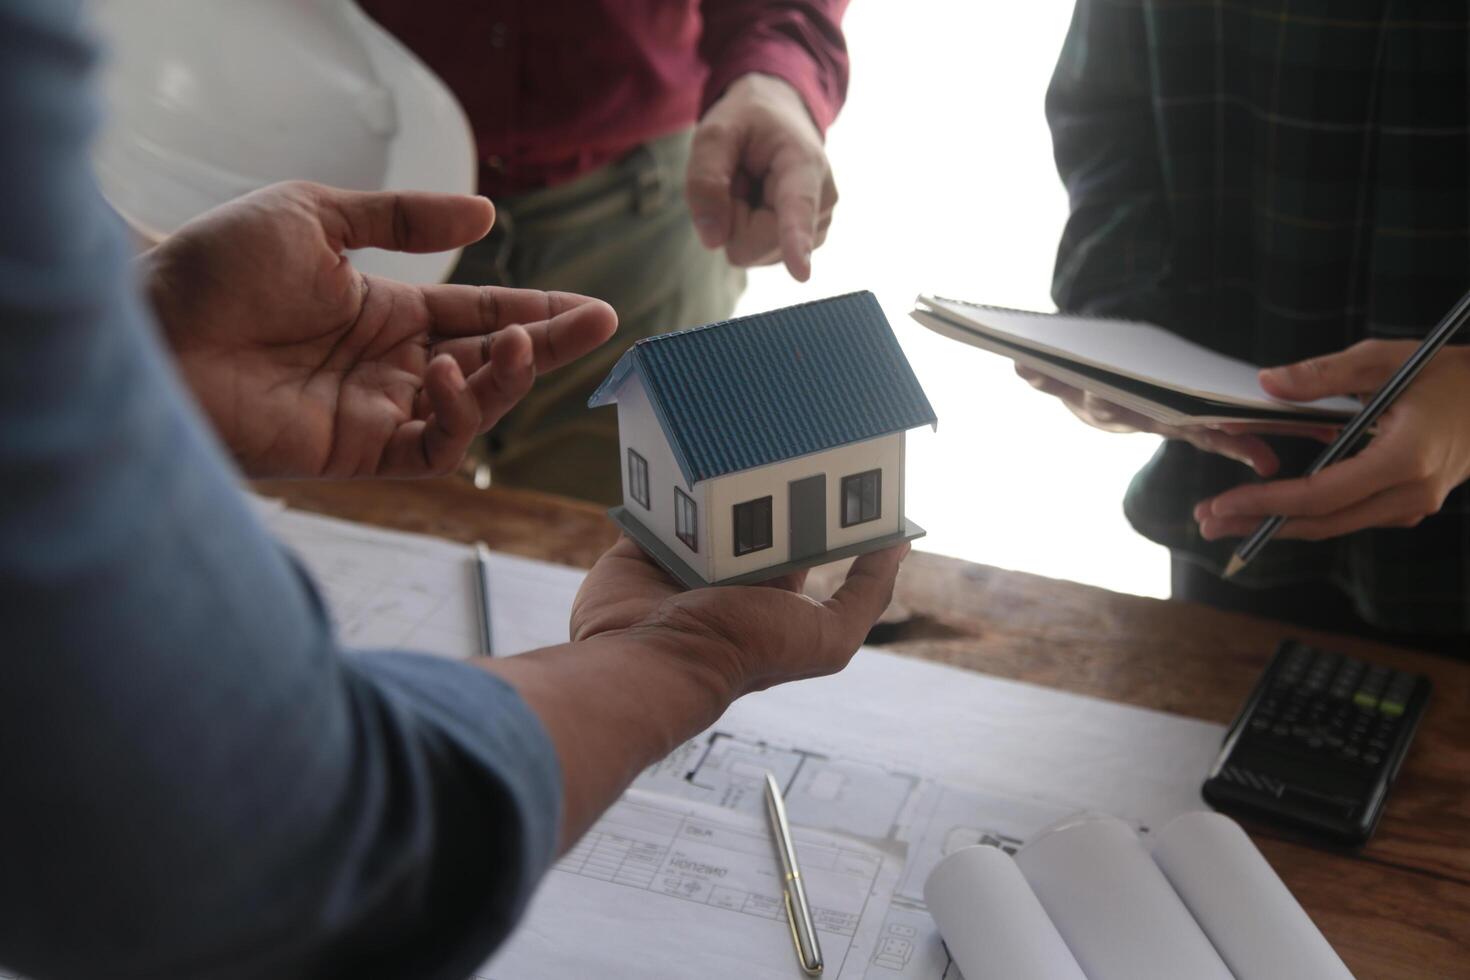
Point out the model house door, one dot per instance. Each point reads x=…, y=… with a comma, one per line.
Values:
x=808, y=516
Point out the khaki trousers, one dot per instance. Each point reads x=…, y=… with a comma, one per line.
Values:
x=622, y=234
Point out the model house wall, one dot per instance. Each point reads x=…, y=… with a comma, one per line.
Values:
x=715, y=499
x=639, y=430
x=774, y=441
x=884, y=454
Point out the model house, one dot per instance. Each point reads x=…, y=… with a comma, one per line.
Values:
x=756, y=446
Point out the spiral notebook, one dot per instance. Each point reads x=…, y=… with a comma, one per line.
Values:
x=1138, y=366
x=1088, y=900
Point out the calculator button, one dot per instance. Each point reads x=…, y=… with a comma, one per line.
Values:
x=1298, y=659
x=1322, y=670
x=1371, y=758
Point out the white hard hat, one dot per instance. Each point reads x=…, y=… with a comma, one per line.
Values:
x=211, y=99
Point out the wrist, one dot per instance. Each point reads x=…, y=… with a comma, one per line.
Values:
x=711, y=667
x=764, y=88
x=649, y=684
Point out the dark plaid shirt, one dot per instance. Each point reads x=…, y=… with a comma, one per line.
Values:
x=1276, y=181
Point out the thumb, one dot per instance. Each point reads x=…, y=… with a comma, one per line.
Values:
x=1362, y=368
x=867, y=591
x=713, y=157
x=402, y=221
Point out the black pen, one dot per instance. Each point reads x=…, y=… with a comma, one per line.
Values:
x=482, y=578
x=1360, y=423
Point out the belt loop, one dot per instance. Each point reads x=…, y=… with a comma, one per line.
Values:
x=649, y=181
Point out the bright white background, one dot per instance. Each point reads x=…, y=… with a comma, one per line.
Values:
x=943, y=163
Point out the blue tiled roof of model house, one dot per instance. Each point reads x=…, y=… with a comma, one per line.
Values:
x=759, y=389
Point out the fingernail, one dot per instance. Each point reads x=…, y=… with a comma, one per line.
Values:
x=1201, y=511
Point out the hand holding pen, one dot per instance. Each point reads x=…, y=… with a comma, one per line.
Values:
x=1419, y=453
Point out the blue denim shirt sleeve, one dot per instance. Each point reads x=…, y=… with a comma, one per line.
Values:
x=196, y=781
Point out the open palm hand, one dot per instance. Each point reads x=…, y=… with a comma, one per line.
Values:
x=307, y=367
x=749, y=636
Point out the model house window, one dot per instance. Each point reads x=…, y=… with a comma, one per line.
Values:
x=638, y=478
x=685, y=520
x=752, y=526
x=860, y=497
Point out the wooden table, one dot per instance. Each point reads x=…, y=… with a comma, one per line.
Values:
x=1398, y=908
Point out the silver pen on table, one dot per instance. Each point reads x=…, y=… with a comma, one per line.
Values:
x=798, y=912
x=482, y=578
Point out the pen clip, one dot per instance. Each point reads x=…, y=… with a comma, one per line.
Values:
x=807, y=966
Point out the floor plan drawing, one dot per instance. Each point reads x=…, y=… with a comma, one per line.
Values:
x=698, y=892
x=924, y=819
x=727, y=769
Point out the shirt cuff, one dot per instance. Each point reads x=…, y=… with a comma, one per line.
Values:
x=485, y=718
x=787, y=61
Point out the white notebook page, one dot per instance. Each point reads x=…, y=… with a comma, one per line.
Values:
x=1138, y=350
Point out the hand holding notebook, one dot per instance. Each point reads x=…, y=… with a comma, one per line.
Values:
x=1122, y=374
x=1240, y=441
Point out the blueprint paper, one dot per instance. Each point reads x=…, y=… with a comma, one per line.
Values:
x=414, y=592
x=1117, y=912
x=996, y=926
x=660, y=884
x=1259, y=928
x=1085, y=900
x=915, y=758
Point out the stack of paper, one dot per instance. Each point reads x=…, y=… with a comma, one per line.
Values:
x=1137, y=366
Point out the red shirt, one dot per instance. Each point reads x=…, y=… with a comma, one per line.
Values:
x=555, y=88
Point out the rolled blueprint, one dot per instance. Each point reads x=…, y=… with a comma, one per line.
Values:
x=991, y=921
x=1256, y=925
x=1112, y=905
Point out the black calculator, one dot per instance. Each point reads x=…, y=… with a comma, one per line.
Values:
x=1318, y=743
